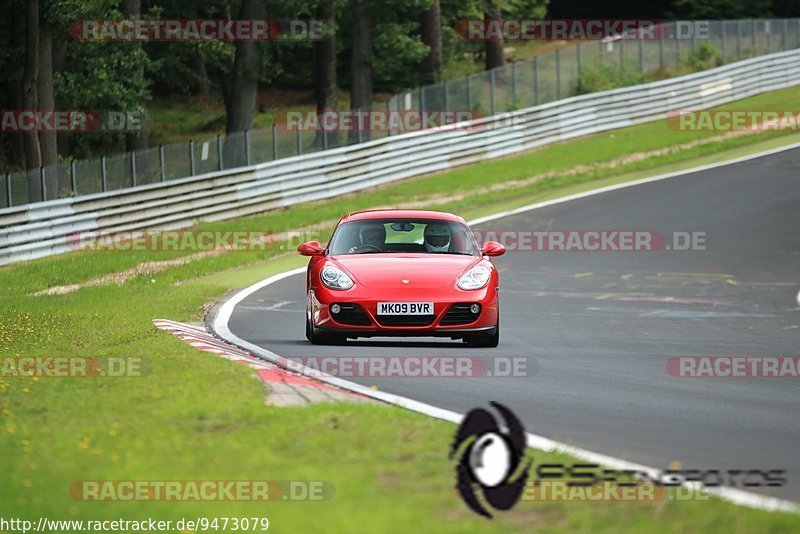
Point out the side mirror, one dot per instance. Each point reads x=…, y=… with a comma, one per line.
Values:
x=311, y=248
x=493, y=248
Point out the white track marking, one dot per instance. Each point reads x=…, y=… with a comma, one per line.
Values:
x=737, y=496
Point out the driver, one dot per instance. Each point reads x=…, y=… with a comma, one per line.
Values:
x=437, y=238
x=371, y=236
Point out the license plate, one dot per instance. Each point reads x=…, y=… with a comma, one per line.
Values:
x=405, y=308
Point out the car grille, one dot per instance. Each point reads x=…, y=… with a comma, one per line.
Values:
x=405, y=320
x=352, y=314
x=459, y=314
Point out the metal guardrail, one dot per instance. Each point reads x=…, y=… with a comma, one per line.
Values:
x=546, y=78
x=46, y=228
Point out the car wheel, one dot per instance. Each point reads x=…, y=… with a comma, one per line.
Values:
x=490, y=340
x=320, y=339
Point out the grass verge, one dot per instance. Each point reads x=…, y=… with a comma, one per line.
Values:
x=196, y=416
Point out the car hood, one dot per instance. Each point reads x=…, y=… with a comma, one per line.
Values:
x=425, y=271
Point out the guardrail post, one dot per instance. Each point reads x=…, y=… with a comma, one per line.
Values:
x=247, y=147
x=274, y=143
x=300, y=142
x=722, y=38
x=784, y=32
x=446, y=101
x=661, y=52
x=219, y=153
x=103, y=176
x=42, y=183
x=558, y=74
x=469, y=92
x=536, y=81
x=621, y=53
x=161, y=162
x=421, y=100
x=133, y=168
x=191, y=157
x=768, y=31
x=641, y=55
x=514, y=84
x=73, y=180
x=755, y=39
x=491, y=90
x=8, y=189
x=738, y=38
x=578, y=59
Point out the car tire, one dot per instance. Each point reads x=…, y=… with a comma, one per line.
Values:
x=490, y=340
x=320, y=339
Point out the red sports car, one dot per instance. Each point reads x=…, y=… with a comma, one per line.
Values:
x=402, y=273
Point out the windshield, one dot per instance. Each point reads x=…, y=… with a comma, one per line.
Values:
x=426, y=236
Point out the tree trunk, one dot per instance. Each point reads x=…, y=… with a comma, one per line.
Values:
x=361, y=90
x=325, y=90
x=138, y=141
x=494, y=49
x=199, y=65
x=63, y=142
x=431, y=34
x=14, y=83
x=33, y=157
x=47, y=140
x=240, y=103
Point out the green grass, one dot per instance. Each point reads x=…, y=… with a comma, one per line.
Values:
x=197, y=416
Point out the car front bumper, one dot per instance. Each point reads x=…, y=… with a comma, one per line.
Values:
x=363, y=320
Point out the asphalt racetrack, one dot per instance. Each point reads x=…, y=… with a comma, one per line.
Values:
x=596, y=328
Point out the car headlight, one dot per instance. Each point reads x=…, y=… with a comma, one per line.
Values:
x=475, y=278
x=334, y=278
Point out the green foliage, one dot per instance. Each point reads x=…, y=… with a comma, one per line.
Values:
x=602, y=77
x=705, y=56
x=397, y=54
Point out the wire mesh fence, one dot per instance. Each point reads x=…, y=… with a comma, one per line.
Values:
x=544, y=78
